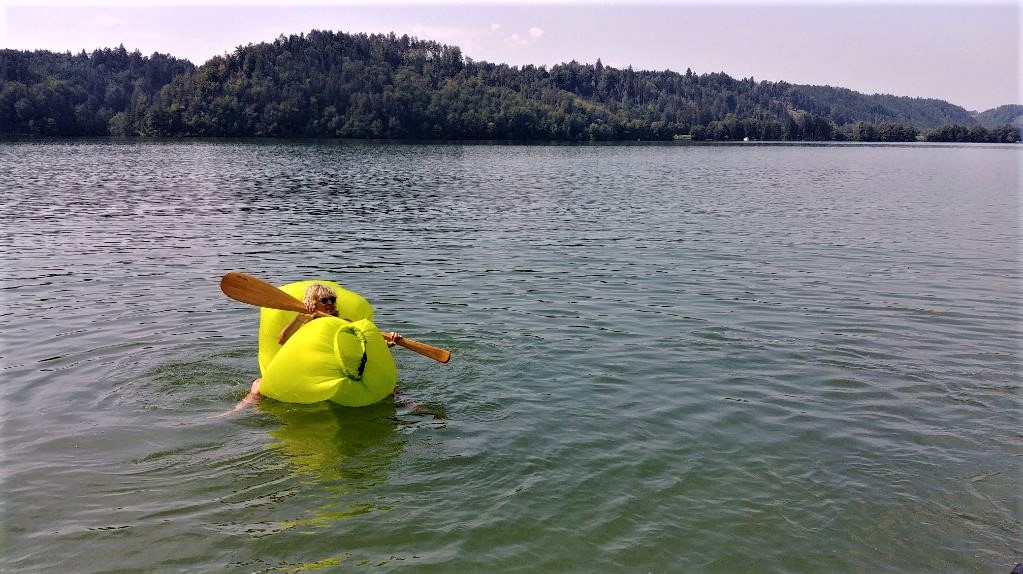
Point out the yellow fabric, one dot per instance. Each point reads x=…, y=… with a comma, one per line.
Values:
x=321, y=360
x=350, y=305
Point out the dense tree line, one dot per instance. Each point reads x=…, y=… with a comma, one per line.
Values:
x=104, y=92
x=327, y=84
x=975, y=134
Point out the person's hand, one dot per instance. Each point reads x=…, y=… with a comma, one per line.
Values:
x=392, y=338
x=250, y=399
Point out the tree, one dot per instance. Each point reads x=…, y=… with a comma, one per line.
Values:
x=330, y=84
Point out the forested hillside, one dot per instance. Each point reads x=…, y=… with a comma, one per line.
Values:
x=85, y=94
x=1010, y=114
x=327, y=84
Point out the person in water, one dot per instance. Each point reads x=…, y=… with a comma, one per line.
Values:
x=318, y=299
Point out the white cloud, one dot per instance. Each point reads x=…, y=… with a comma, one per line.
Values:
x=515, y=40
x=518, y=41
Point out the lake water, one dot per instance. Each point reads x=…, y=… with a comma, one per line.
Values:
x=666, y=358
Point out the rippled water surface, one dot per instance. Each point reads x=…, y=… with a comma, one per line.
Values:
x=666, y=358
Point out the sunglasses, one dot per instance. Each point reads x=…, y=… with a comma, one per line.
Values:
x=330, y=300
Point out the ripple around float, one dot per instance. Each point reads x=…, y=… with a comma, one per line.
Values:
x=664, y=358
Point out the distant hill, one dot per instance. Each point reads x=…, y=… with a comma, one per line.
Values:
x=843, y=106
x=331, y=84
x=1011, y=114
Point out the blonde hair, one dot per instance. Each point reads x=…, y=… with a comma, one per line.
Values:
x=314, y=293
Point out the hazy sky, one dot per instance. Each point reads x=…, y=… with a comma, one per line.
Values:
x=965, y=52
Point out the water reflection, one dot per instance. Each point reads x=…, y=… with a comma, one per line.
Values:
x=341, y=451
x=331, y=443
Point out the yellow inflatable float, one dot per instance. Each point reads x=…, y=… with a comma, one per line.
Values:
x=345, y=360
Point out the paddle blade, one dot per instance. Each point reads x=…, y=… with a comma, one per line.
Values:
x=253, y=291
x=439, y=355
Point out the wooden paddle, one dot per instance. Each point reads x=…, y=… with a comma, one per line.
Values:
x=254, y=291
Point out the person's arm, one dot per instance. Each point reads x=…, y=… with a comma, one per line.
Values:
x=250, y=399
x=294, y=325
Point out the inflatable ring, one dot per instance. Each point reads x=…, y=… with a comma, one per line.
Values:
x=345, y=360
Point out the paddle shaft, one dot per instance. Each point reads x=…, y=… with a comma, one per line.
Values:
x=254, y=291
